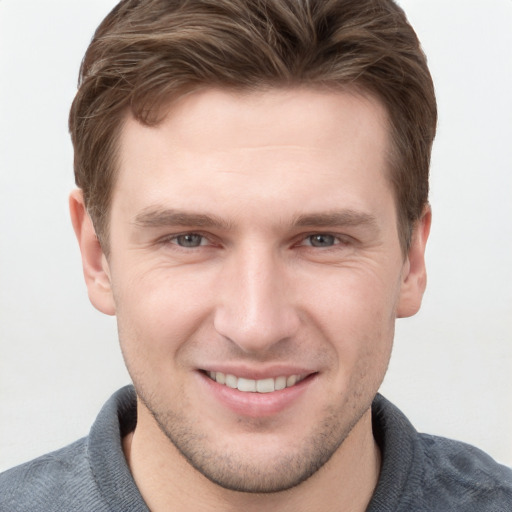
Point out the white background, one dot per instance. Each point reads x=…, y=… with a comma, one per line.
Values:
x=451, y=371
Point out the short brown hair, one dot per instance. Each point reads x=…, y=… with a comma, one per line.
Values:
x=147, y=52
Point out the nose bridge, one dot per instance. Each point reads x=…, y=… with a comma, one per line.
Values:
x=254, y=310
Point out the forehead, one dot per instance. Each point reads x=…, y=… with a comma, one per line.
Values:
x=294, y=115
x=281, y=144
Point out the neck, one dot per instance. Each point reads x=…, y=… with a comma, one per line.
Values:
x=167, y=481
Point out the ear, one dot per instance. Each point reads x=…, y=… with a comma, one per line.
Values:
x=414, y=279
x=94, y=262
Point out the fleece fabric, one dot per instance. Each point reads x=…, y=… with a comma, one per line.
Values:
x=419, y=473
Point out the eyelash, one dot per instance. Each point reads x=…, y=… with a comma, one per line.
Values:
x=339, y=240
x=172, y=239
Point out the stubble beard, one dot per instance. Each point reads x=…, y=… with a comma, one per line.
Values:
x=235, y=471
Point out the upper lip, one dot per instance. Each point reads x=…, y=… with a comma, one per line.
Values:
x=258, y=373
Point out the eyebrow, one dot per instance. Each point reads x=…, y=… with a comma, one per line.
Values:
x=342, y=218
x=155, y=217
x=158, y=217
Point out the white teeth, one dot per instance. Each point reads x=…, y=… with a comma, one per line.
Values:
x=265, y=385
x=280, y=383
x=291, y=380
x=247, y=385
x=231, y=381
x=255, y=386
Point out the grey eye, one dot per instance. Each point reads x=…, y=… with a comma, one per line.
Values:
x=321, y=240
x=189, y=240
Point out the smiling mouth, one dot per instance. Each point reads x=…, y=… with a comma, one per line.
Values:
x=268, y=385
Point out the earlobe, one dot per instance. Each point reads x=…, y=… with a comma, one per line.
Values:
x=94, y=262
x=414, y=280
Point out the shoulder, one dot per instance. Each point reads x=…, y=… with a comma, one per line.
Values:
x=453, y=468
x=57, y=481
x=86, y=475
x=431, y=473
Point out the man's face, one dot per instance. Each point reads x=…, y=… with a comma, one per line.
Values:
x=254, y=246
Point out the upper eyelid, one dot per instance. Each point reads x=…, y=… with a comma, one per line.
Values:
x=174, y=236
x=340, y=237
x=187, y=232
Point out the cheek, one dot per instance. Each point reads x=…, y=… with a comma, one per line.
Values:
x=357, y=301
x=357, y=317
x=156, y=315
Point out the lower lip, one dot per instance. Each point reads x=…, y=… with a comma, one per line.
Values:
x=256, y=405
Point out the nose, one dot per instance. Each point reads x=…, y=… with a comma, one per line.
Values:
x=255, y=307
